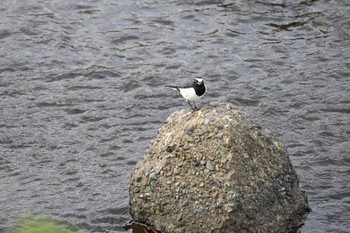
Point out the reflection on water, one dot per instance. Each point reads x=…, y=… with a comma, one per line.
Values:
x=82, y=95
x=138, y=228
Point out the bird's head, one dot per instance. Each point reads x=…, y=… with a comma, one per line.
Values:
x=198, y=81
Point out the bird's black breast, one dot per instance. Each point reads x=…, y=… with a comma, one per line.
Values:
x=199, y=89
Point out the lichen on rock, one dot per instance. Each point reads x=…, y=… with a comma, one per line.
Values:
x=215, y=170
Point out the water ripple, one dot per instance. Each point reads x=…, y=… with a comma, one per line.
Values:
x=82, y=95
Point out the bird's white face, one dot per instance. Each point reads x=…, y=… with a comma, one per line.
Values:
x=199, y=81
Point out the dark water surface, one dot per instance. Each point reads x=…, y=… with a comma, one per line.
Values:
x=81, y=85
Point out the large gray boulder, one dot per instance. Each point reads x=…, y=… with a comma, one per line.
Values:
x=214, y=170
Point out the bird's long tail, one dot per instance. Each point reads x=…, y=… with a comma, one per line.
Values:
x=173, y=87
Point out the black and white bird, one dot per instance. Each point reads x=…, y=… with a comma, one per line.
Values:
x=192, y=91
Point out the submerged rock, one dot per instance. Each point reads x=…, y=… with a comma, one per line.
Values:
x=214, y=170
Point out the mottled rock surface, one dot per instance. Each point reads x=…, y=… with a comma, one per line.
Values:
x=214, y=170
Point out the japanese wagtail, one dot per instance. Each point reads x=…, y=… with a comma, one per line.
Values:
x=192, y=91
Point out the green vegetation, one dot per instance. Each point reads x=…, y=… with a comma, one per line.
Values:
x=43, y=225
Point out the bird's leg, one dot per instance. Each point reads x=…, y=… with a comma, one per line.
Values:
x=189, y=103
x=195, y=107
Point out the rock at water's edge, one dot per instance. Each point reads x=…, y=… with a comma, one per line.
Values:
x=214, y=170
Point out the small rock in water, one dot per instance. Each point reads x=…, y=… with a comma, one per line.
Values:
x=185, y=203
x=186, y=147
x=209, y=118
x=190, y=129
x=179, y=217
x=209, y=165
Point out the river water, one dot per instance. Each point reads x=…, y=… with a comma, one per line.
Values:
x=81, y=86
